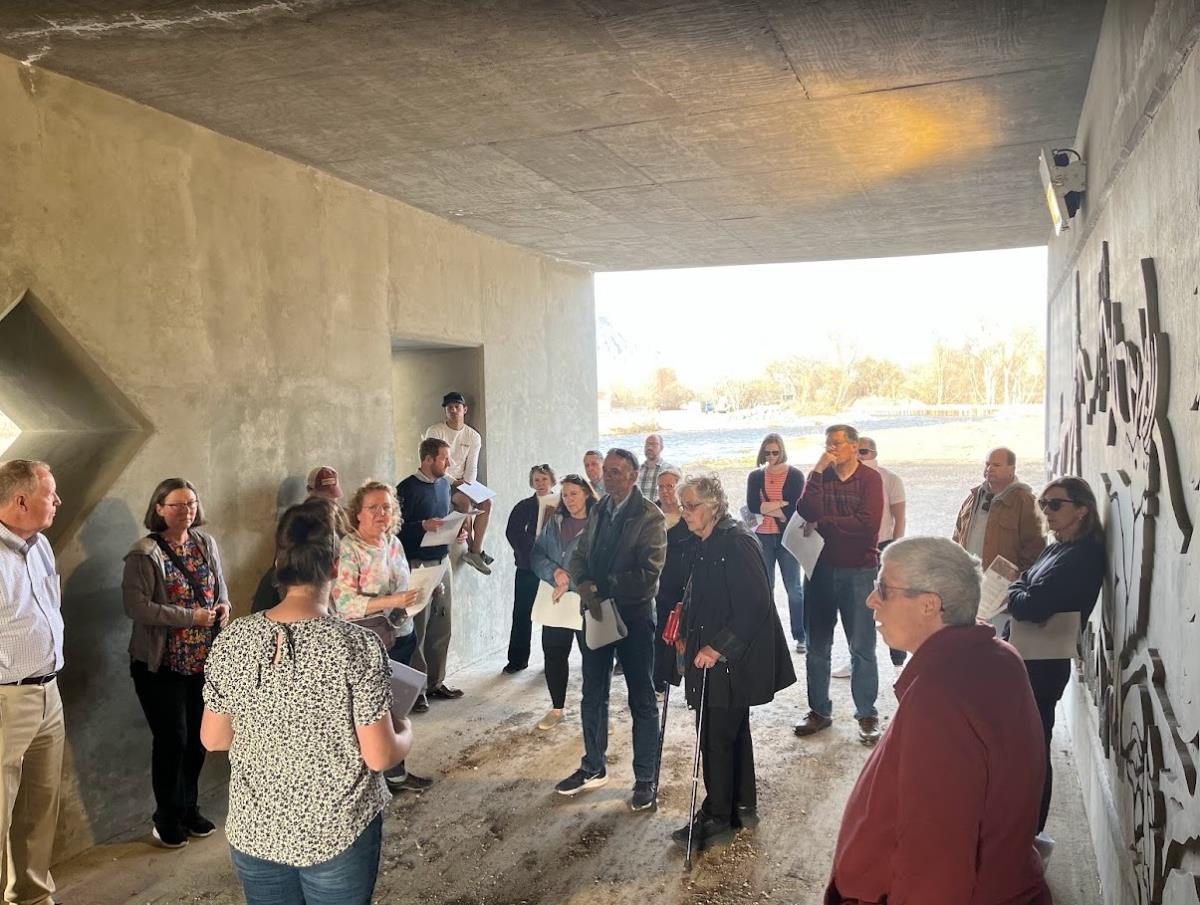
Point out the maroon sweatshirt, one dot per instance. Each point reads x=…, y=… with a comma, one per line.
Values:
x=946, y=807
x=848, y=514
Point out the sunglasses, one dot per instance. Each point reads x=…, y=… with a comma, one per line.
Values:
x=1053, y=505
x=866, y=451
x=771, y=452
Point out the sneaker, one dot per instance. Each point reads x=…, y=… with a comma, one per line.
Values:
x=812, y=723
x=581, y=781
x=422, y=704
x=550, y=720
x=801, y=647
x=706, y=832
x=745, y=817
x=196, y=824
x=511, y=668
x=868, y=730
x=170, y=836
x=475, y=561
x=842, y=672
x=645, y=796
x=409, y=782
x=487, y=559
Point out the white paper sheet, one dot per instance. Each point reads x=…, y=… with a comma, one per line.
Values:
x=563, y=614
x=407, y=683
x=993, y=593
x=425, y=581
x=476, y=491
x=447, y=534
x=1055, y=639
x=807, y=550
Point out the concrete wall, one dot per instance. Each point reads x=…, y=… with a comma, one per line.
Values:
x=247, y=306
x=1134, y=707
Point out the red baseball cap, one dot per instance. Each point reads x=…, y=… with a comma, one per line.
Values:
x=325, y=479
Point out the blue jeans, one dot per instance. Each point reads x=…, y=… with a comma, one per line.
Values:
x=346, y=879
x=830, y=592
x=636, y=652
x=774, y=552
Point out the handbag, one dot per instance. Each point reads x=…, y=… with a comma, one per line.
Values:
x=380, y=625
x=608, y=629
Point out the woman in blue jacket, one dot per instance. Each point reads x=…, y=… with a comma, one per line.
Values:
x=549, y=561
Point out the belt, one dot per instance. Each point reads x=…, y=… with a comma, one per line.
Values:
x=34, y=680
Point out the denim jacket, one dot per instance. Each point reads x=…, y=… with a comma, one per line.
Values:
x=548, y=553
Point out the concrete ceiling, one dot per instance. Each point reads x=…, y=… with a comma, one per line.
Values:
x=626, y=134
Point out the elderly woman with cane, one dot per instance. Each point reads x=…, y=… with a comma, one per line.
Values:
x=736, y=656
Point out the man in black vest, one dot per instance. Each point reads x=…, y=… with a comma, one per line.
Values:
x=620, y=557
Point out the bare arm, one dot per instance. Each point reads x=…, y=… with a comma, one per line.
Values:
x=898, y=518
x=385, y=742
x=216, y=731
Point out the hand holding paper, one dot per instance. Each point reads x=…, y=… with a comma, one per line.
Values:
x=445, y=534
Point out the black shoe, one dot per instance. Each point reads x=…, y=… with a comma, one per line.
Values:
x=645, y=796
x=196, y=824
x=581, y=781
x=409, y=782
x=422, y=704
x=445, y=692
x=706, y=832
x=812, y=723
x=747, y=818
x=511, y=668
x=487, y=559
x=170, y=836
x=898, y=657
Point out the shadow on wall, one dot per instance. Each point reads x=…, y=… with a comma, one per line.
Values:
x=105, y=732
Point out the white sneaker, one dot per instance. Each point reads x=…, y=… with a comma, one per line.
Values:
x=550, y=720
x=842, y=672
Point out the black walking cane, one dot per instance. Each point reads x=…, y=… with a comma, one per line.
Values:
x=687, y=861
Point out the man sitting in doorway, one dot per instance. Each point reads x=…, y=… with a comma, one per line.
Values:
x=465, y=445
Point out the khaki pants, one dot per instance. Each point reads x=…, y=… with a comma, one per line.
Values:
x=31, y=754
x=432, y=626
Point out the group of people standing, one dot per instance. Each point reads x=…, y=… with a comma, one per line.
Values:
x=299, y=692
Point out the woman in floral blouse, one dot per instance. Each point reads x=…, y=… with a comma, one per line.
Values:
x=372, y=588
x=176, y=596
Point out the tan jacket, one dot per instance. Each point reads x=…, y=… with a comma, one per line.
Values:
x=1014, y=529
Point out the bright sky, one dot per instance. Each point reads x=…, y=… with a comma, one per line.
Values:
x=715, y=322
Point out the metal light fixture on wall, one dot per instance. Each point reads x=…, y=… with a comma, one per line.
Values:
x=1065, y=181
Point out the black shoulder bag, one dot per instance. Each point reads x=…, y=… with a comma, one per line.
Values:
x=190, y=576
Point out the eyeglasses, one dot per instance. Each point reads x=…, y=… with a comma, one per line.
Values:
x=866, y=451
x=1053, y=505
x=691, y=507
x=772, y=453
x=380, y=508
x=180, y=507
x=882, y=590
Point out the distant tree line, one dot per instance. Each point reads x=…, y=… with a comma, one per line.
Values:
x=983, y=370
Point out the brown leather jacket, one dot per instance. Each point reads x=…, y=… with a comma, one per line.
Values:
x=1014, y=528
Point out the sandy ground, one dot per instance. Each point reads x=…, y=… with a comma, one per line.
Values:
x=492, y=831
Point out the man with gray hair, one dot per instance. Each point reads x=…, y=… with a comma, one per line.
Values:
x=31, y=655
x=947, y=803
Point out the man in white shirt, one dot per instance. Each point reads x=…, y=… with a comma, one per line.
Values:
x=31, y=654
x=465, y=445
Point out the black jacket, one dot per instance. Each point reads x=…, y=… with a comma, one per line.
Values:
x=681, y=551
x=730, y=609
x=793, y=487
x=631, y=579
x=1066, y=578
x=522, y=530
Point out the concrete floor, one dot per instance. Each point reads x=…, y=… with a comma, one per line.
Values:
x=491, y=831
